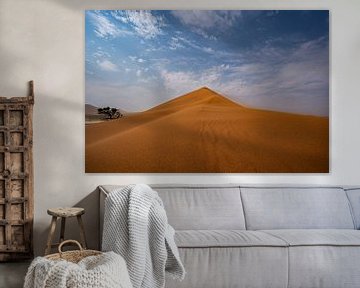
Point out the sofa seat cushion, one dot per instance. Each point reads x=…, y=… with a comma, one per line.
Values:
x=317, y=237
x=323, y=258
x=233, y=267
x=225, y=238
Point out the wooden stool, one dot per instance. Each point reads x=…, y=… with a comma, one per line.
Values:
x=64, y=213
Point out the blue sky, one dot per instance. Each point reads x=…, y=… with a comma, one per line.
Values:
x=277, y=60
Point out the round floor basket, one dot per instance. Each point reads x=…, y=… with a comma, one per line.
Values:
x=72, y=256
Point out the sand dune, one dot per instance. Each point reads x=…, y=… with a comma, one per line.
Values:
x=203, y=131
x=92, y=115
x=91, y=109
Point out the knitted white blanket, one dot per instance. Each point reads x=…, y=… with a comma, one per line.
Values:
x=103, y=271
x=136, y=227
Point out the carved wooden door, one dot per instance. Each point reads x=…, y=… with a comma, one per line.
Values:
x=16, y=177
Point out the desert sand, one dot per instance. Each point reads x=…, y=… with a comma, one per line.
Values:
x=203, y=131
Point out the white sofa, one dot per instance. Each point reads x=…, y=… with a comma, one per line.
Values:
x=244, y=236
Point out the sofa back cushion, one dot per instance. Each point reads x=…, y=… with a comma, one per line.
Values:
x=203, y=208
x=354, y=198
x=296, y=208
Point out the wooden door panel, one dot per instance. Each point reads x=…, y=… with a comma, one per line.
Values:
x=2, y=162
x=17, y=188
x=16, y=177
x=2, y=117
x=2, y=139
x=2, y=189
x=2, y=211
x=16, y=118
x=16, y=162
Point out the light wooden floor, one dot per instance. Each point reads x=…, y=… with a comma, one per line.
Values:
x=12, y=274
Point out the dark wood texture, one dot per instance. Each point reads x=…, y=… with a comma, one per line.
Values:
x=63, y=213
x=16, y=177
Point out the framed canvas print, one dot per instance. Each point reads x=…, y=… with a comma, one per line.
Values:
x=240, y=91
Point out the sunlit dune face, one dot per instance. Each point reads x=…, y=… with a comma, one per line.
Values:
x=203, y=131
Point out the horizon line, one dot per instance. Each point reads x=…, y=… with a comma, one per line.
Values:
x=214, y=91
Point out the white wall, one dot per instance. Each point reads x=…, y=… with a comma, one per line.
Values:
x=43, y=40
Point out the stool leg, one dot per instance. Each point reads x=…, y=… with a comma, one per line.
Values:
x=82, y=232
x=51, y=235
x=62, y=231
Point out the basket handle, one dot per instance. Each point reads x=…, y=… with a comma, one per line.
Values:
x=69, y=241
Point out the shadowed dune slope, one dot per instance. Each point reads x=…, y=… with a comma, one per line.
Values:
x=203, y=131
x=91, y=110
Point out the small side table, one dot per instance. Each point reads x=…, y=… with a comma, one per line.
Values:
x=64, y=213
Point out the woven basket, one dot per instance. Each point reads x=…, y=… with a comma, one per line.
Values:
x=72, y=256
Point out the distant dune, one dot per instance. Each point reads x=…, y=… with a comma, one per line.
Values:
x=92, y=115
x=203, y=131
x=91, y=109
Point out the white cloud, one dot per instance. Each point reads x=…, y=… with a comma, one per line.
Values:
x=100, y=53
x=203, y=21
x=143, y=22
x=103, y=27
x=153, y=49
x=178, y=42
x=295, y=82
x=138, y=73
x=137, y=59
x=208, y=50
x=175, y=43
x=107, y=65
x=179, y=82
